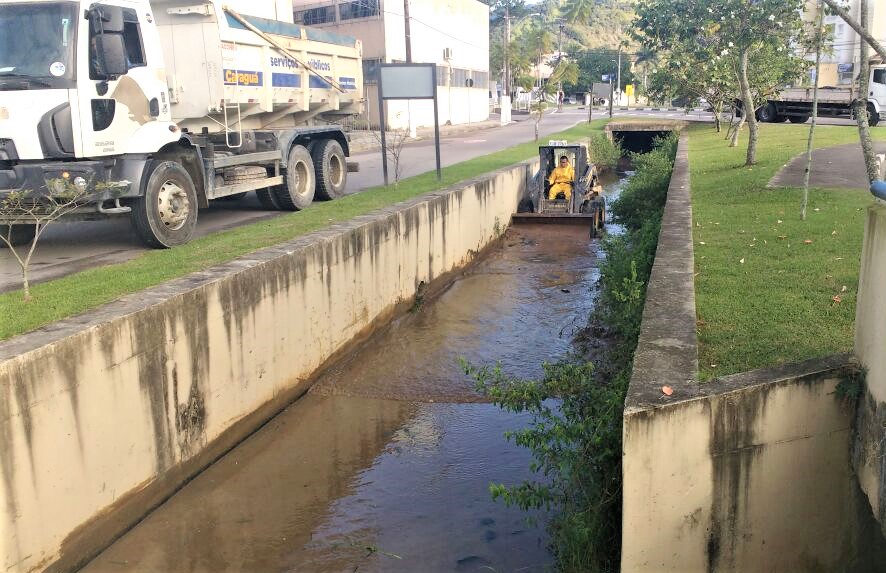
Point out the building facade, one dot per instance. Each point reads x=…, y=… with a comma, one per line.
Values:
x=453, y=34
x=839, y=62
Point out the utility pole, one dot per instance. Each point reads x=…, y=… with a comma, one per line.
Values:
x=506, y=50
x=408, y=36
x=610, y=96
x=618, y=72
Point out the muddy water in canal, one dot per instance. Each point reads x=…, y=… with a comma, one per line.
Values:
x=385, y=464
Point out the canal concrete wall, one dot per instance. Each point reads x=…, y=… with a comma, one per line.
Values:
x=869, y=452
x=749, y=472
x=104, y=415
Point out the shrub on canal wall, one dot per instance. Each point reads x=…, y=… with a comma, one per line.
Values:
x=577, y=406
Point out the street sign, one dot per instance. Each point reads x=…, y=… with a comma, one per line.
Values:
x=605, y=77
x=407, y=81
x=629, y=90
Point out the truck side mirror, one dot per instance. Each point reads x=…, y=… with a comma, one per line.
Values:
x=109, y=57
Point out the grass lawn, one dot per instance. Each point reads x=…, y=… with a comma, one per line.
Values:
x=765, y=280
x=61, y=298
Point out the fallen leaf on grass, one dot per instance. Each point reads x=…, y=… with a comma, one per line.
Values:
x=807, y=242
x=701, y=242
x=838, y=258
x=667, y=390
x=782, y=237
x=837, y=299
x=834, y=233
x=844, y=289
x=741, y=261
x=713, y=365
x=816, y=209
x=780, y=221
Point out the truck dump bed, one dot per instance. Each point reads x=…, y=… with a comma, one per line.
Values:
x=221, y=73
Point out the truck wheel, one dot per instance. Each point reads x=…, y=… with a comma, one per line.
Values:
x=767, y=113
x=332, y=171
x=166, y=213
x=18, y=235
x=873, y=116
x=297, y=190
x=798, y=118
x=268, y=199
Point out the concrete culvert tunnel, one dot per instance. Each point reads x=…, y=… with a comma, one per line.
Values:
x=637, y=141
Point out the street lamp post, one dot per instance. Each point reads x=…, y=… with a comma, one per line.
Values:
x=507, y=46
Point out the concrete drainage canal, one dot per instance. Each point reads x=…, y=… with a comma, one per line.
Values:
x=385, y=464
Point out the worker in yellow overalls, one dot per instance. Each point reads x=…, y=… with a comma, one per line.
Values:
x=561, y=179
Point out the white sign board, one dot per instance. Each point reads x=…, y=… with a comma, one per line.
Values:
x=408, y=81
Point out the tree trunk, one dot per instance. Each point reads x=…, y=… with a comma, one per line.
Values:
x=818, y=39
x=718, y=109
x=859, y=27
x=748, y=104
x=737, y=130
x=861, y=104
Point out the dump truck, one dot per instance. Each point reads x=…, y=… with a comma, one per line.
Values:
x=152, y=109
x=795, y=104
x=585, y=204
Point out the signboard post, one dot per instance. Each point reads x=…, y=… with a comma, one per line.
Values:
x=407, y=81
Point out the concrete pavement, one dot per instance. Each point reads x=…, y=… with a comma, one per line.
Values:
x=839, y=166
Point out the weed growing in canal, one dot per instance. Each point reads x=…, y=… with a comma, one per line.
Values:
x=575, y=436
x=605, y=152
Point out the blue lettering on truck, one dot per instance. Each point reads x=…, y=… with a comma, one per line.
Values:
x=348, y=83
x=281, y=62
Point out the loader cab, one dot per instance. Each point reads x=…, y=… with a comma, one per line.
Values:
x=584, y=181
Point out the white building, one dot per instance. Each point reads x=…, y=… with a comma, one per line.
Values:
x=454, y=34
x=840, y=62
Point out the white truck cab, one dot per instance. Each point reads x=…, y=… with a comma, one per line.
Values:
x=170, y=104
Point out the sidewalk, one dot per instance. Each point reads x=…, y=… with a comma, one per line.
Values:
x=841, y=166
x=361, y=140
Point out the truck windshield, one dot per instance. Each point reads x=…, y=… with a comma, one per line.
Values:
x=37, y=43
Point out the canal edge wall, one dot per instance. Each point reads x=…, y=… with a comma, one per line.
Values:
x=749, y=472
x=869, y=451
x=106, y=414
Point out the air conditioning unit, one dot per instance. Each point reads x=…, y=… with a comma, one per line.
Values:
x=447, y=53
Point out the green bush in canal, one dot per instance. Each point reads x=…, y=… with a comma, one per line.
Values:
x=575, y=437
x=605, y=152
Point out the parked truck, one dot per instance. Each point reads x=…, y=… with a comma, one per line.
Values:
x=795, y=104
x=154, y=108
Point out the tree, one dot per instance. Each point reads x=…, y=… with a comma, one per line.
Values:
x=593, y=64
x=818, y=38
x=27, y=214
x=739, y=31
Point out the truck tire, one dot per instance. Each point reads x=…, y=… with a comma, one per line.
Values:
x=20, y=235
x=873, y=116
x=798, y=118
x=767, y=113
x=166, y=213
x=268, y=199
x=331, y=169
x=297, y=190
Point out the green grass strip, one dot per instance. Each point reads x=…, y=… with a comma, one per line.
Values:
x=764, y=293
x=76, y=293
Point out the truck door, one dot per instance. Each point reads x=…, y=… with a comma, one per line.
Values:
x=124, y=104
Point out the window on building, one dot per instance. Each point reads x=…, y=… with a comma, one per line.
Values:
x=314, y=16
x=459, y=77
x=481, y=80
x=442, y=73
x=370, y=70
x=358, y=9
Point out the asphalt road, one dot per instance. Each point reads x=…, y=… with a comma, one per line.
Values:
x=70, y=247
